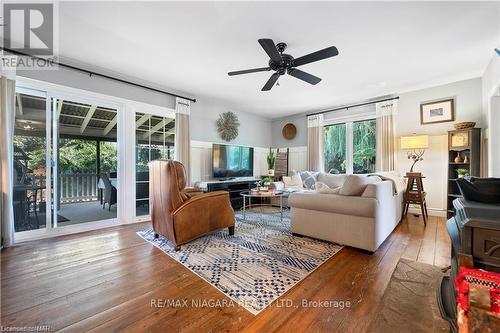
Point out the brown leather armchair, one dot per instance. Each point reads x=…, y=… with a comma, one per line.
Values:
x=178, y=216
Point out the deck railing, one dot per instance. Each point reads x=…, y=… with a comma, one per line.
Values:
x=76, y=187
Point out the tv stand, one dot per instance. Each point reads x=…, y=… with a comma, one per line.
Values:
x=233, y=186
x=226, y=179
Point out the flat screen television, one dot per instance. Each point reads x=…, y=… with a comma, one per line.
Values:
x=232, y=161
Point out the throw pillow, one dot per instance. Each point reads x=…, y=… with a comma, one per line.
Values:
x=322, y=188
x=308, y=179
x=293, y=181
x=355, y=185
x=331, y=180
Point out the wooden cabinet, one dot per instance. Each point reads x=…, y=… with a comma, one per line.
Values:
x=234, y=187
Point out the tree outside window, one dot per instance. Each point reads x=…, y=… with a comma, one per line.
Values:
x=341, y=156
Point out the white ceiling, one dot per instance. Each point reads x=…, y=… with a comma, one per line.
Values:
x=385, y=47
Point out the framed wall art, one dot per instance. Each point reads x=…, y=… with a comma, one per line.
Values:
x=437, y=111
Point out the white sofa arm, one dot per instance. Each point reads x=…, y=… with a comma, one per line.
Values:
x=382, y=191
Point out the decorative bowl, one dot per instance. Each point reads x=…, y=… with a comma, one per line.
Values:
x=464, y=125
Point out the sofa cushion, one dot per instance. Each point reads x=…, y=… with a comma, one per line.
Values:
x=331, y=180
x=293, y=182
x=355, y=185
x=308, y=178
x=334, y=203
x=325, y=189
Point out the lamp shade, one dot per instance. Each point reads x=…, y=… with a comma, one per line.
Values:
x=415, y=142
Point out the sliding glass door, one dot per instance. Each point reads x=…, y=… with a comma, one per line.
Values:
x=31, y=167
x=77, y=163
x=86, y=160
x=65, y=161
x=154, y=137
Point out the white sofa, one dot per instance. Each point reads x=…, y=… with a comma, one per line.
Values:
x=363, y=221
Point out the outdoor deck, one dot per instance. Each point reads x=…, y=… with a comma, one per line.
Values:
x=78, y=212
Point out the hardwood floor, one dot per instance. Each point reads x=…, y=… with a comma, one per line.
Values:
x=105, y=281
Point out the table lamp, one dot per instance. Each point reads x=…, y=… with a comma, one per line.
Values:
x=415, y=146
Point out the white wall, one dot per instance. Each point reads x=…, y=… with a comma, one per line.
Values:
x=468, y=107
x=79, y=80
x=254, y=130
x=300, y=122
x=491, y=114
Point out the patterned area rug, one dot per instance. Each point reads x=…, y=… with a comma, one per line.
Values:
x=255, y=266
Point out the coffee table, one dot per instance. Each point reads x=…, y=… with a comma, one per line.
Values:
x=271, y=194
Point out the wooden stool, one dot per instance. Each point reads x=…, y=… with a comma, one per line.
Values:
x=415, y=194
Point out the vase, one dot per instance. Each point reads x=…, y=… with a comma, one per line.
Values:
x=270, y=172
x=466, y=159
x=459, y=158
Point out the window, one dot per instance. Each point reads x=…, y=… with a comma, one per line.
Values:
x=350, y=147
x=364, y=146
x=335, y=148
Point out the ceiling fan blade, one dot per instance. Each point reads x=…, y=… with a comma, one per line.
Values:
x=270, y=83
x=309, y=78
x=316, y=56
x=271, y=50
x=253, y=70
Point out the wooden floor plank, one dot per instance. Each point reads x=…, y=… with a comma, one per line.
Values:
x=443, y=245
x=428, y=246
x=104, y=281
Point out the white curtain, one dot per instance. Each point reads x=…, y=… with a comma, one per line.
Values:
x=182, y=136
x=315, y=143
x=386, y=135
x=7, y=119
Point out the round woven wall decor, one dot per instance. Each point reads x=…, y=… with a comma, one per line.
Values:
x=289, y=131
x=227, y=126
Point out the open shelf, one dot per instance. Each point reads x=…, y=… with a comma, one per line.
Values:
x=471, y=152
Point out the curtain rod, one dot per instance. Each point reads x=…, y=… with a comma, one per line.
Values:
x=352, y=106
x=98, y=74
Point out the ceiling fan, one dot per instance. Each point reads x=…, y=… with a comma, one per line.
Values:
x=282, y=63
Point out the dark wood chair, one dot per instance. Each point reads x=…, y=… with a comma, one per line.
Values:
x=110, y=194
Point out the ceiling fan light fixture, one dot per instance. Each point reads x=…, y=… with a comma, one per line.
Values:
x=282, y=63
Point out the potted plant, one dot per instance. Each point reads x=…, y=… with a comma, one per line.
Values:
x=266, y=182
x=462, y=172
x=271, y=159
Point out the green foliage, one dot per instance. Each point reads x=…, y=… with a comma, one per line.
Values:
x=334, y=147
x=34, y=147
x=271, y=159
x=145, y=153
x=462, y=171
x=75, y=155
x=364, y=146
x=266, y=180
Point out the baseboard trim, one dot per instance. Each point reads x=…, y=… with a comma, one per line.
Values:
x=430, y=211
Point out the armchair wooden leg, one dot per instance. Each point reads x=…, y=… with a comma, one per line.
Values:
x=156, y=235
x=177, y=248
x=231, y=230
